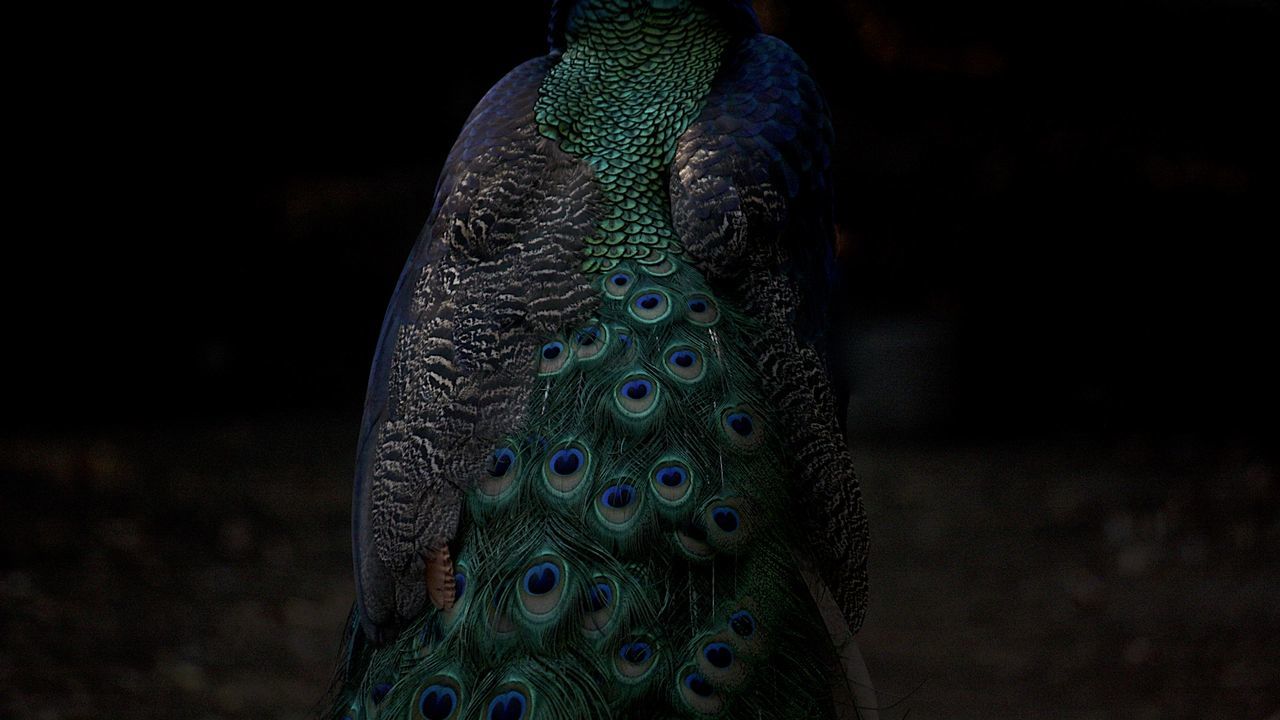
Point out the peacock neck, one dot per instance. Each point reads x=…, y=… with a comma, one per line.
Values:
x=633, y=76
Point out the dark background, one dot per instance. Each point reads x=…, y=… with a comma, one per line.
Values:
x=1056, y=221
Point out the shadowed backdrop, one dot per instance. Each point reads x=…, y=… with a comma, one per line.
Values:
x=1059, y=333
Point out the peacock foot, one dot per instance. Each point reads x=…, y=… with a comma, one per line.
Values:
x=442, y=588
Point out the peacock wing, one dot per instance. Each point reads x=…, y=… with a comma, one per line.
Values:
x=495, y=268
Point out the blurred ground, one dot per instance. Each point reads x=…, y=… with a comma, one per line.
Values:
x=198, y=574
x=1065, y=581
x=205, y=574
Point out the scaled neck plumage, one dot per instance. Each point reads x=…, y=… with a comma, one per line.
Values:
x=633, y=76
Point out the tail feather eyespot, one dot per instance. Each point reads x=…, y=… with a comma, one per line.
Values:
x=552, y=358
x=438, y=701
x=510, y=705
x=650, y=307
x=566, y=468
x=685, y=364
x=701, y=310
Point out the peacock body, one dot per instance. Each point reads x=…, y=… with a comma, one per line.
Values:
x=600, y=472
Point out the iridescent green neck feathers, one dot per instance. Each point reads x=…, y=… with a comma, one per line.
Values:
x=631, y=80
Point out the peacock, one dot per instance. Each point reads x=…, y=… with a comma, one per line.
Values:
x=602, y=471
